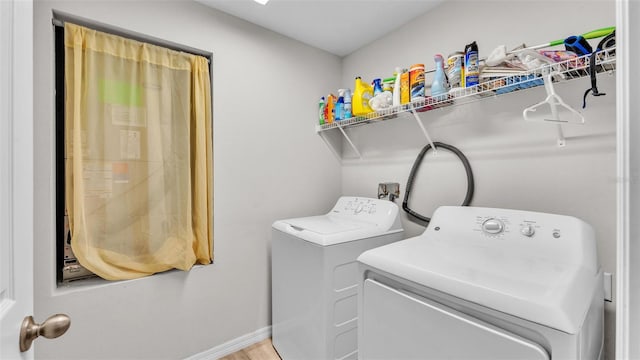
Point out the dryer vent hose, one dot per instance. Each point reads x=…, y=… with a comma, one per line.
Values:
x=416, y=166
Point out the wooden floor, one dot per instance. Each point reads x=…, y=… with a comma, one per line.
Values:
x=260, y=351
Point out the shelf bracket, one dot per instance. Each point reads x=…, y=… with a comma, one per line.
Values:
x=424, y=130
x=344, y=133
x=330, y=146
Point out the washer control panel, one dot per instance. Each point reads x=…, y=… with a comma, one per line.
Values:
x=357, y=206
x=366, y=209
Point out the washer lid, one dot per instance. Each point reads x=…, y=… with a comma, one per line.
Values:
x=352, y=218
x=511, y=272
x=329, y=229
x=324, y=225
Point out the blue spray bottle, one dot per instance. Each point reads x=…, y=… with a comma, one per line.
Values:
x=339, y=109
x=439, y=84
x=377, y=86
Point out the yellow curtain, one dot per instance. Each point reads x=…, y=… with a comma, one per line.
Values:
x=138, y=155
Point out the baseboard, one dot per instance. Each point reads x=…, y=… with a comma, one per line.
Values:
x=234, y=345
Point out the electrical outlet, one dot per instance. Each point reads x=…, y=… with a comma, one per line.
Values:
x=390, y=190
x=382, y=191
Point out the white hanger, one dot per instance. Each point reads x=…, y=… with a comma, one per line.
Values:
x=556, y=104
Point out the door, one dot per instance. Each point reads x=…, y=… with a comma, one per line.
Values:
x=399, y=325
x=628, y=109
x=16, y=173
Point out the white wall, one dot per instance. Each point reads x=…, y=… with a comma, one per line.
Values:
x=516, y=163
x=268, y=163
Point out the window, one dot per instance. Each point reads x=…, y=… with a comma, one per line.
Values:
x=134, y=156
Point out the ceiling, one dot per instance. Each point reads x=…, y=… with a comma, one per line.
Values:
x=337, y=26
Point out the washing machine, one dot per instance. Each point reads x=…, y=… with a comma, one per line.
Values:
x=315, y=276
x=484, y=283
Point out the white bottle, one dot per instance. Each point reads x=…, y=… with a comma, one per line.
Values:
x=396, y=88
x=347, y=104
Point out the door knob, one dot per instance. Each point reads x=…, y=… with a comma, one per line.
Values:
x=51, y=328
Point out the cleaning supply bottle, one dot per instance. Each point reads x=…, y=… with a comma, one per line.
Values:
x=347, y=104
x=396, y=88
x=362, y=93
x=405, y=91
x=387, y=84
x=377, y=86
x=471, y=65
x=321, y=111
x=416, y=82
x=439, y=85
x=329, y=108
x=339, y=109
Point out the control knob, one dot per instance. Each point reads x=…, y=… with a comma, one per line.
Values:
x=493, y=226
x=527, y=230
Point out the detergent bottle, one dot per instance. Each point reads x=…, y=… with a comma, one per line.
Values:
x=321, y=111
x=439, y=84
x=362, y=93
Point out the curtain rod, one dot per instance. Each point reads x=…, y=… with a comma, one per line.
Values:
x=60, y=18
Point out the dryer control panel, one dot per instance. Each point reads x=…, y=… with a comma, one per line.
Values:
x=503, y=225
x=557, y=238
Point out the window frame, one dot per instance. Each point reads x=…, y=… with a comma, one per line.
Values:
x=58, y=21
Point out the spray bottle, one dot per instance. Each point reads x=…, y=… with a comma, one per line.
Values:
x=339, y=109
x=439, y=84
x=377, y=86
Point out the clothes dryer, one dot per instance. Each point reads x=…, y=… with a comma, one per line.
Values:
x=484, y=283
x=315, y=276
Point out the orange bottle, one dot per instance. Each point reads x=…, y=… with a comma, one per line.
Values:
x=329, y=108
x=405, y=91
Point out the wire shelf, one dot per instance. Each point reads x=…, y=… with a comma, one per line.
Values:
x=564, y=70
